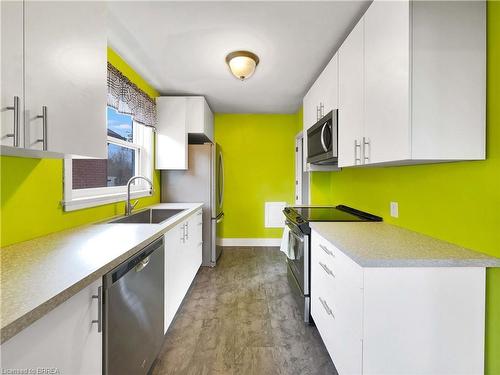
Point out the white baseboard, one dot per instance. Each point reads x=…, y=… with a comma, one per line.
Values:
x=249, y=242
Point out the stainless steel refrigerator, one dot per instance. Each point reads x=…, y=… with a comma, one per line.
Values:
x=202, y=182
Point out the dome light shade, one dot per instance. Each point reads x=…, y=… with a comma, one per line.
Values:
x=242, y=63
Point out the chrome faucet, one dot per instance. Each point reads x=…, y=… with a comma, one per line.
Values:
x=130, y=206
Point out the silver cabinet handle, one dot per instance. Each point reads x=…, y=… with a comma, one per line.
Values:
x=43, y=116
x=186, y=233
x=321, y=110
x=357, y=145
x=366, y=145
x=326, y=307
x=15, y=131
x=98, y=321
x=326, y=250
x=327, y=270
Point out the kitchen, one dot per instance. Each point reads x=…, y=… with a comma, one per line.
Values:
x=379, y=117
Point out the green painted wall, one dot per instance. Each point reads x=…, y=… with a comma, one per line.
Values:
x=456, y=202
x=31, y=189
x=259, y=167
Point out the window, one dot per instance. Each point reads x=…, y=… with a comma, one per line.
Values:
x=91, y=182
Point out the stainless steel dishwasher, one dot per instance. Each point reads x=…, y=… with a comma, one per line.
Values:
x=133, y=308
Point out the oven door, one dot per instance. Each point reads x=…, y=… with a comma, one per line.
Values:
x=299, y=265
x=322, y=142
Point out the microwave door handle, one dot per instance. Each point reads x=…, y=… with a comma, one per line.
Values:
x=323, y=137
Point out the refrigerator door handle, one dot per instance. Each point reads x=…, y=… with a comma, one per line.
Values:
x=221, y=180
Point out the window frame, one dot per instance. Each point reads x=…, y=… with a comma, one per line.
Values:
x=76, y=199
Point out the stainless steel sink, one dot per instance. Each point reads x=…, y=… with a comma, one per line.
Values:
x=151, y=216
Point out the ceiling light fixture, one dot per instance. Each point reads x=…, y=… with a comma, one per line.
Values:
x=242, y=63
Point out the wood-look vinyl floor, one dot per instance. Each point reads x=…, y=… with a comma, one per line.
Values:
x=241, y=318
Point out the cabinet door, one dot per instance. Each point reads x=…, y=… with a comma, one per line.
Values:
x=351, y=97
x=65, y=71
x=12, y=71
x=171, y=135
x=387, y=67
x=65, y=338
x=195, y=232
x=175, y=246
x=329, y=86
x=200, y=119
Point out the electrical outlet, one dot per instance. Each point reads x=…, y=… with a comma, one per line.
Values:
x=394, y=209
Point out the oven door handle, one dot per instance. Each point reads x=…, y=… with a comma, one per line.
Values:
x=301, y=239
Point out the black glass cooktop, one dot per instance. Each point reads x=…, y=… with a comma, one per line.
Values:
x=300, y=216
x=327, y=214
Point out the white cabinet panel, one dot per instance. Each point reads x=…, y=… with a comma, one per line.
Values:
x=12, y=70
x=351, y=97
x=424, y=321
x=448, y=79
x=329, y=86
x=175, y=248
x=65, y=71
x=200, y=119
x=183, y=257
x=65, y=338
x=171, y=135
x=387, y=81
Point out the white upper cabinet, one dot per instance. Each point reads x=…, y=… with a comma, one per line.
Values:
x=423, y=82
x=66, y=77
x=351, y=97
x=171, y=133
x=177, y=116
x=12, y=72
x=57, y=50
x=387, y=79
x=322, y=97
x=200, y=119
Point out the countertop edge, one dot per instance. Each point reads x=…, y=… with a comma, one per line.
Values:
x=490, y=262
x=16, y=326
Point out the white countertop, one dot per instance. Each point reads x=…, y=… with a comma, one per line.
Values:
x=376, y=244
x=39, y=274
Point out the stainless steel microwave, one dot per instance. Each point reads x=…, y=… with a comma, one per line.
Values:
x=322, y=140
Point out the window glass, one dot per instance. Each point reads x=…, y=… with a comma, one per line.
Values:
x=120, y=126
x=121, y=164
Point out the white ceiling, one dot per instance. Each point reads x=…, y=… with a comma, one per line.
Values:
x=180, y=47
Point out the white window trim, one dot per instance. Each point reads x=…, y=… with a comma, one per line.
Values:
x=85, y=198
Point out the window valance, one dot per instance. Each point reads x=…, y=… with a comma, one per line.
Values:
x=126, y=97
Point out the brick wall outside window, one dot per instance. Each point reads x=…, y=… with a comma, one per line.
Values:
x=90, y=173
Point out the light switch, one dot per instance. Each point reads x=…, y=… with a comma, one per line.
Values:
x=394, y=209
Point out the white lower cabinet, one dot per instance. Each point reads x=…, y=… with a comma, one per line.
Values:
x=183, y=256
x=66, y=339
x=390, y=320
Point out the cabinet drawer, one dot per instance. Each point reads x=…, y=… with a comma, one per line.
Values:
x=323, y=315
x=346, y=271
